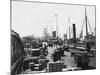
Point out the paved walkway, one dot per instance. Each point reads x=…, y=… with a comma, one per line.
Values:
x=69, y=61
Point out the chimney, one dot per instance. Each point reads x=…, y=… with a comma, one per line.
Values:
x=74, y=33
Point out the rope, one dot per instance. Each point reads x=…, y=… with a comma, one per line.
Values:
x=89, y=26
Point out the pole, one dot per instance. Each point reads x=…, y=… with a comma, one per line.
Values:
x=86, y=23
x=51, y=28
x=56, y=24
x=69, y=33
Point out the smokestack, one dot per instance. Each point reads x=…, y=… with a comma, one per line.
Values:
x=74, y=33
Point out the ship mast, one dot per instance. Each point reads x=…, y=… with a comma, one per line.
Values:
x=56, y=24
x=86, y=23
x=69, y=27
x=69, y=33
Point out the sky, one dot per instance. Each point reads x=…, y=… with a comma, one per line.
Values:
x=30, y=18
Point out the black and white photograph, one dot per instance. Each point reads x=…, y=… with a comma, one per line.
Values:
x=52, y=37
